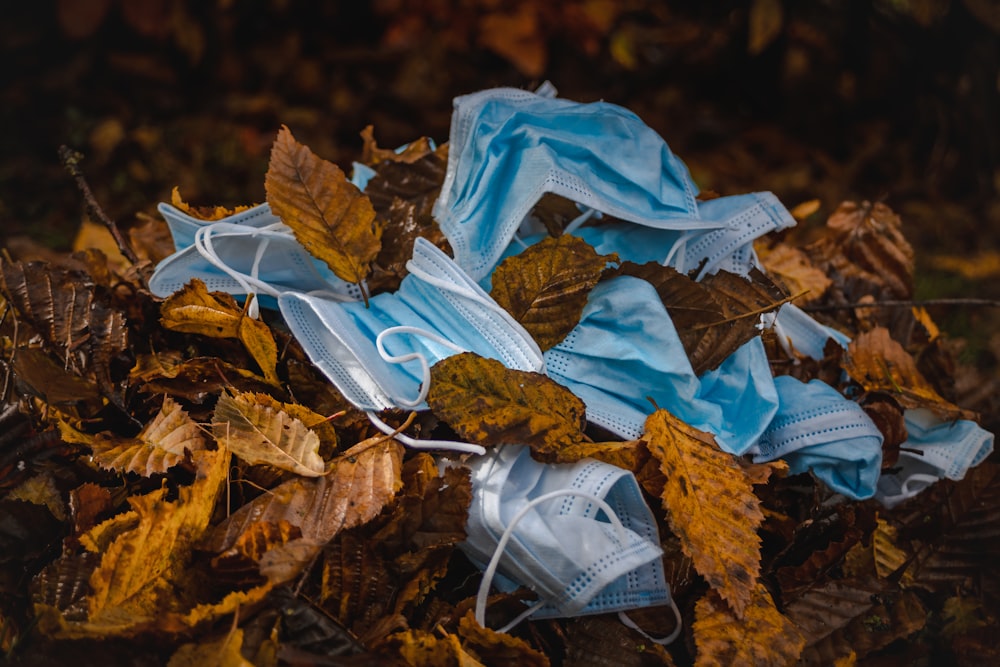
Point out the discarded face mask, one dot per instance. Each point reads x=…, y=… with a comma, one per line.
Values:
x=379, y=356
x=580, y=535
x=183, y=226
x=797, y=331
x=243, y=259
x=508, y=147
x=626, y=351
x=933, y=450
x=817, y=429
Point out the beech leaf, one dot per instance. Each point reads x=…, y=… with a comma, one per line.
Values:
x=710, y=506
x=161, y=444
x=795, y=270
x=223, y=652
x=496, y=648
x=259, y=434
x=545, y=287
x=490, y=404
x=330, y=217
x=759, y=636
x=207, y=213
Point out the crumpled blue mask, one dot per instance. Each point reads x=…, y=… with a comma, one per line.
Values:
x=817, y=429
x=579, y=534
x=508, y=147
x=183, y=226
x=933, y=450
x=625, y=350
x=378, y=356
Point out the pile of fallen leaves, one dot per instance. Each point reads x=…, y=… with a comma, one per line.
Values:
x=179, y=485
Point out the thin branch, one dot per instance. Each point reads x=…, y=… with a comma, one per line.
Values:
x=71, y=160
x=893, y=303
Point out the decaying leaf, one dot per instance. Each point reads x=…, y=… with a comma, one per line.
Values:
x=259, y=434
x=423, y=649
x=372, y=155
x=710, y=506
x=41, y=490
x=497, y=648
x=194, y=309
x=330, y=217
x=545, y=287
x=794, y=269
x=163, y=442
x=604, y=641
x=222, y=652
x=206, y=213
x=878, y=363
x=759, y=636
x=888, y=557
x=490, y=404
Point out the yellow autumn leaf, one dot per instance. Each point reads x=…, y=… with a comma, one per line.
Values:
x=260, y=434
x=161, y=444
x=545, y=287
x=490, y=404
x=878, y=363
x=329, y=216
x=194, y=309
x=710, y=506
x=760, y=636
x=795, y=270
x=495, y=648
x=40, y=489
x=223, y=652
x=423, y=649
x=206, y=213
x=889, y=557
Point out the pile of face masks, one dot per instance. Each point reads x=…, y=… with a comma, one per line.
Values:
x=580, y=535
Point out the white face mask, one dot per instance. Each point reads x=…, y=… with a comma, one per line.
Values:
x=578, y=534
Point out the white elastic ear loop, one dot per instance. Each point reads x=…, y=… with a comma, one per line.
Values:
x=679, y=249
x=205, y=247
x=491, y=568
x=576, y=222
x=450, y=445
x=425, y=369
x=456, y=289
x=925, y=478
x=663, y=641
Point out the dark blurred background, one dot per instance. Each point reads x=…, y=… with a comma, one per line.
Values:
x=895, y=100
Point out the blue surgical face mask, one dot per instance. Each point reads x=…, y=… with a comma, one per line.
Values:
x=379, y=356
x=508, y=147
x=797, y=331
x=183, y=226
x=817, y=429
x=580, y=534
x=625, y=351
x=243, y=259
x=933, y=450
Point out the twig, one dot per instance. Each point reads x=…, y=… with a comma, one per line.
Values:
x=71, y=160
x=892, y=303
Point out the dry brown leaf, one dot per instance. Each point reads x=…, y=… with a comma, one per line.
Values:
x=889, y=557
x=206, y=213
x=545, y=287
x=795, y=270
x=517, y=37
x=604, y=641
x=494, y=648
x=490, y=404
x=710, y=506
x=330, y=217
x=372, y=155
x=259, y=434
x=760, y=636
x=423, y=649
x=163, y=442
x=878, y=363
x=222, y=652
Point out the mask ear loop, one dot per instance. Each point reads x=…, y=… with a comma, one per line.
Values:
x=578, y=221
x=663, y=641
x=414, y=443
x=491, y=568
x=249, y=283
x=425, y=369
x=678, y=250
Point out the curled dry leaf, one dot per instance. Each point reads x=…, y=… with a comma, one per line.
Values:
x=330, y=217
x=496, y=648
x=759, y=636
x=207, y=213
x=161, y=444
x=255, y=431
x=545, y=287
x=794, y=269
x=710, y=506
x=490, y=404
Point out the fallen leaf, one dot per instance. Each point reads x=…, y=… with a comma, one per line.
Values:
x=759, y=636
x=206, y=213
x=259, y=434
x=423, y=649
x=545, y=287
x=222, y=652
x=794, y=269
x=517, y=37
x=330, y=217
x=766, y=21
x=41, y=490
x=604, y=641
x=490, y=404
x=494, y=648
x=710, y=506
x=888, y=556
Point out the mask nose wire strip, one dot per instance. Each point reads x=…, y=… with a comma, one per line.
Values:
x=425, y=369
x=450, y=445
x=491, y=568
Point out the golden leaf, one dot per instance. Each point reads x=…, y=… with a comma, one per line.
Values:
x=495, y=648
x=878, y=363
x=423, y=649
x=760, y=636
x=161, y=444
x=372, y=155
x=229, y=604
x=258, y=433
x=983, y=265
x=545, y=287
x=794, y=269
x=330, y=217
x=490, y=404
x=40, y=489
x=710, y=506
x=888, y=556
x=223, y=652
x=206, y=213
x=194, y=309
